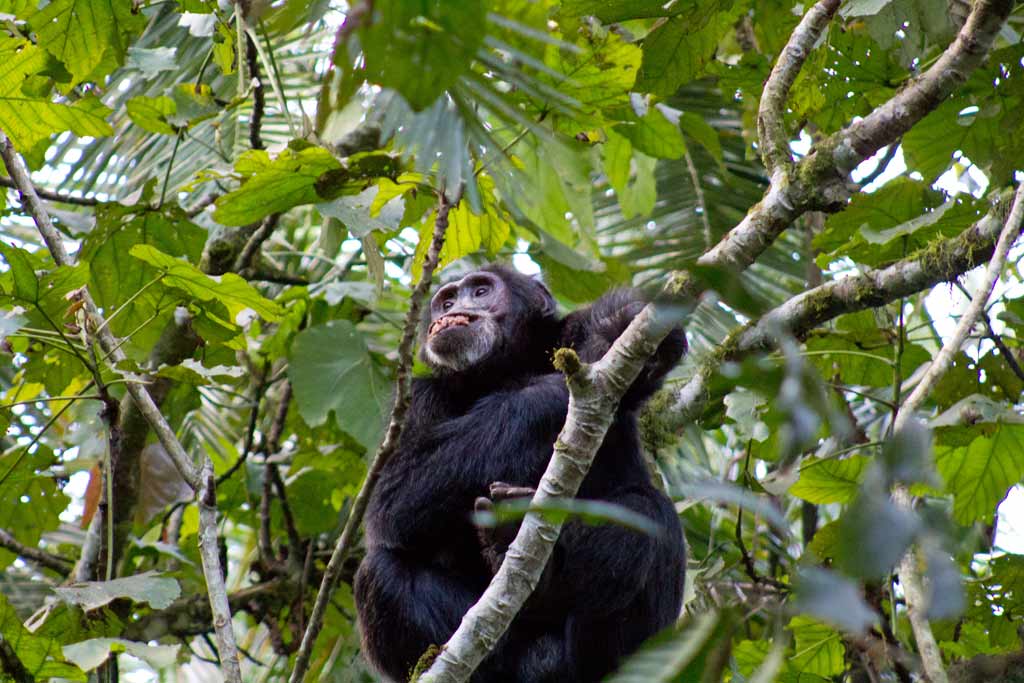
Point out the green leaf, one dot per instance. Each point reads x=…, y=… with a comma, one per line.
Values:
x=830, y=480
x=89, y=37
x=26, y=286
x=275, y=186
x=612, y=11
x=150, y=587
x=700, y=130
x=114, y=279
x=31, y=499
x=41, y=656
x=980, y=474
x=819, y=649
x=832, y=598
x=678, y=51
x=89, y=654
x=468, y=231
x=929, y=146
x=421, y=47
x=150, y=113
x=332, y=371
x=232, y=291
x=596, y=77
x=30, y=120
x=152, y=61
x=654, y=134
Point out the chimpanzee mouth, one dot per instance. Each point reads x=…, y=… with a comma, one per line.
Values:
x=449, y=321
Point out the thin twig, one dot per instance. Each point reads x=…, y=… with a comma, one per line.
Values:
x=387, y=448
x=883, y=163
x=701, y=202
x=52, y=196
x=44, y=559
x=248, y=254
x=258, y=99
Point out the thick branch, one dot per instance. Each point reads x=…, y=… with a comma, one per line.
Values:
x=201, y=480
x=887, y=123
x=387, y=447
x=941, y=262
x=40, y=557
x=594, y=393
x=820, y=181
x=771, y=127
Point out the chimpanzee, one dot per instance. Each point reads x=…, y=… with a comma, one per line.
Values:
x=482, y=429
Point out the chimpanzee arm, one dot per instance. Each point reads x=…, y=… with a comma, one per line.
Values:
x=505, y=436
x=592, y=330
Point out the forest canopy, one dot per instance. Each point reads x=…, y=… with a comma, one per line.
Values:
x=221, y=221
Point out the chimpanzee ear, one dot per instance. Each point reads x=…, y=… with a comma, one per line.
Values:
x=548, y=307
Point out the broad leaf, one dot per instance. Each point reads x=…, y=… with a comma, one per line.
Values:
x=420, y=48
x=230, y=290
x=158, y=591
x=332, y=371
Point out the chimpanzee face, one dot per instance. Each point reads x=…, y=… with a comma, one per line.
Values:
x=465, y=321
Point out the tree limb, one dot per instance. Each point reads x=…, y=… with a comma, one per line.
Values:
x=910, y=576
x=40, y=557
x=820, y=179
x=771, y=129
x=387, y=447
x=887, y=123
x=941, y=262
x=200, y=479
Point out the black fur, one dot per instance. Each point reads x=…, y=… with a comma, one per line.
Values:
x=606, y=588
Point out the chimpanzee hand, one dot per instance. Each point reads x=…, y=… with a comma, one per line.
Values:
x=494, y=541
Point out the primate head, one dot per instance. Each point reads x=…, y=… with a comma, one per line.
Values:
x=491, y=314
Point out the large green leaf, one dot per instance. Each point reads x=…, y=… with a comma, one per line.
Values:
x=979, y=474
x=332, y=371
x=230, y=290
x=89, y=654
x=40, y=656
x=830, y=480
x=663, y=658
x=468, y=231
x=421, y=47
x=149, y=587
x=678, y=51
x=31, y=499
x=115, y=279
x=90, y=37
x=819, y=648
x=29, y=119
x=275, y=186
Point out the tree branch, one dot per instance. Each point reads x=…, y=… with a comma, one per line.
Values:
x=52, y=196
x=910, y=576
x=771, y=127
x=200, y=479
x=888, y=123
x=941, y=262
x=821, y=183
x=387, y=447
x=44, y=559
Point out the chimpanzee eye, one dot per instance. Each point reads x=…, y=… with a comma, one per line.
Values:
x=481, y=291
x=447, y=304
